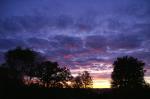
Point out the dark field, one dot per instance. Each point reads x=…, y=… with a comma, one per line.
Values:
x=53, y=93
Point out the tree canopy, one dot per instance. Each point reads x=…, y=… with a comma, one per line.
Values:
x=128, y=72
x=52, y=75
x=21, y=59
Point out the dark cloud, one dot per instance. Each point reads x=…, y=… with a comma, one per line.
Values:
x=143, y=29
x=37, y=24
x=58, y=53
x=64, y=21
x=68, y=42
x=20, y=24
x=89, y=60
x=96, y=42
x=117, y=25
x=6, y=44
x=39, y=43
x=136, y=8
x=125, y=42
x=10, y=25
x=144, y=56
x=86, y=22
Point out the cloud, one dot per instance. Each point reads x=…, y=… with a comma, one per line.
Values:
x=68, y=42
x=39, y=43
x=64, y=21
x=14, y=25
x=97, y=70
x=144, y=56
x=11, y=43
x=143, y=29
x=24, y=23
x=125, y=42
x=96, y=42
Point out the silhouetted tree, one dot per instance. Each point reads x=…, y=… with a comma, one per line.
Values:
x=77, y=82
x=52, y=75
x=22, y=60
x=83, y=80
x=128, y=72
x=64, y=76
x=87, y=79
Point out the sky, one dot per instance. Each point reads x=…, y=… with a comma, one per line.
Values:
x=80, y=34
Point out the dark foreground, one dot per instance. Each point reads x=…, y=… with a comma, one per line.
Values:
x=42, y=93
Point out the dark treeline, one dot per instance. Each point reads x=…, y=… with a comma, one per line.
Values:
x=26, y=73
x=28, y=68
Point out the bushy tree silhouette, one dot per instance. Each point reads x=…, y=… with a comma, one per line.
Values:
x=20, y=59
x=52, y=75
x=23, y=61
x=128, y=72
x=83, y=80
x=77, y=82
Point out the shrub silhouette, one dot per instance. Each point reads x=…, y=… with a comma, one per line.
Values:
x=128, y=72
x=83, y=80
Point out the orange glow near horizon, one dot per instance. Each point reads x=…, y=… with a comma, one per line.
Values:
x=101, y=78
x=101, y=83
x=105, y=83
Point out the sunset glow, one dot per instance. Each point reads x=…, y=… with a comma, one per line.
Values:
x=101, y=83
x=100, y=73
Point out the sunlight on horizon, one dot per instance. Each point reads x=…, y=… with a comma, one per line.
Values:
x=105, y=83
x=101, y=83
x=100, y=72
